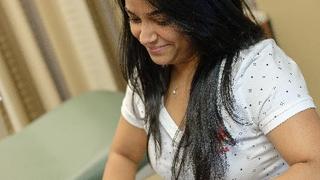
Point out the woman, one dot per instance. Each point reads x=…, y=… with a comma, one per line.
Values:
x=209, y=98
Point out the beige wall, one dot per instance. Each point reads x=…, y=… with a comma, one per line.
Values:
x=296, y=25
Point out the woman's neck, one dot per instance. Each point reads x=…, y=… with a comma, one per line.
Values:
x=184, y=72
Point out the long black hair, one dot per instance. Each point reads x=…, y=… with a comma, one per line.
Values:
x=218, y=30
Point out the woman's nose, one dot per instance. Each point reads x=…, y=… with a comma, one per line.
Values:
x=147, y=34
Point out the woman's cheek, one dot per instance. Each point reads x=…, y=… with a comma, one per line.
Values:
x=135, y=31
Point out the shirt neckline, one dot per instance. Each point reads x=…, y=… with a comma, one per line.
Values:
x=167, y=122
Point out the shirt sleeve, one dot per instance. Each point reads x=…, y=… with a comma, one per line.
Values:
x=132, y=108
x=272, y=87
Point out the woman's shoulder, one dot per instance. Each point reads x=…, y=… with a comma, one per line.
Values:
x=132, y=108
x=269, y=85
x=265, y=50
x=259, y=47
x=263, y=57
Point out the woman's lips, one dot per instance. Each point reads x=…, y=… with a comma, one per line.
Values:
x=157, y=50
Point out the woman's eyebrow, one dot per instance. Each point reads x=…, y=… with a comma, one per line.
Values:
x=154, y=13
x=151, y=14
x=129, y=12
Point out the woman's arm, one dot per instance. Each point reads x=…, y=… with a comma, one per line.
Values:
x=298, y=141
x=127, y=150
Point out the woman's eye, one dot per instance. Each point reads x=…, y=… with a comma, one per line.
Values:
x=134, y=20
x=162, y=21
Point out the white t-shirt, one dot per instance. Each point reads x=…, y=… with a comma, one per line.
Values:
x=268, y=89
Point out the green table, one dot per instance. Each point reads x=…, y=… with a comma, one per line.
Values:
x=70, y=142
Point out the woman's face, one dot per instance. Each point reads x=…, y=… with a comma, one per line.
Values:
x=164, y=43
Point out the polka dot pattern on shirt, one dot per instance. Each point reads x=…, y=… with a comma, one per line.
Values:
x=268, y=89
x=270, y=83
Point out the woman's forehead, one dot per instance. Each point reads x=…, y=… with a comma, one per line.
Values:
x=140, y=7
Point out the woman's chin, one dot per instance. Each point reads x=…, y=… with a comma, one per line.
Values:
x=160, y=60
